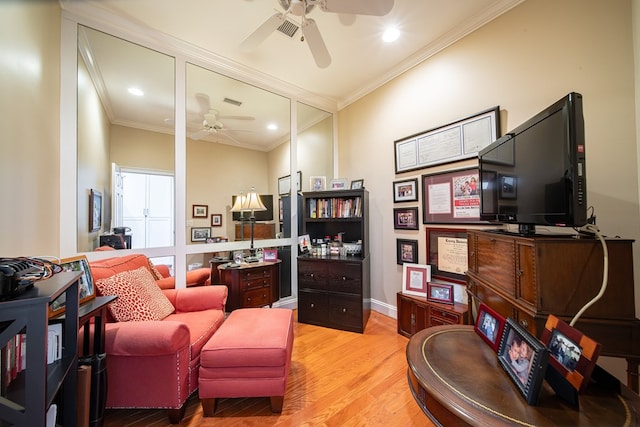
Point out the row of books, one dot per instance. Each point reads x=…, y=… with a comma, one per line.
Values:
x=14, y=354
x=335, y=208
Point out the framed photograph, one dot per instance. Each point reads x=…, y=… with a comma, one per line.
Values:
x=571, y=353
x=357, y=184
x=415, y=278
x=489, y=325
x=200, y=234
x=405, y=218
x=447, y=253
x=452, y=142
x=338, y=184
x=318, y=183
x=304, y=244
x=524, y=359
x=216, y=220
x=269, y=255
x=200, y=211
x=284, y=184
x=508, y=186
x=440, y=292
x=451, y=197
x=407, y=251
x=95, y=210
x=86, y=286
x=405, y=191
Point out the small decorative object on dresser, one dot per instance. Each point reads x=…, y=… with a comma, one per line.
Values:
x=357, y=184
x=338, y=184
x=318, y=183
x=489, y=325
x=440, y=292
x=415, y=278
x=270, y=255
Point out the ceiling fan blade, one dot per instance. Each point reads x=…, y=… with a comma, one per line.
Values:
x=358, y=7
x=262, y=32
x=316, y=44
x=237, y=117
x=224, y=134
x=199, y=134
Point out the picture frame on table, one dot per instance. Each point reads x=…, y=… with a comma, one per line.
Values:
x=524, y=358
x=338, y=184
x=489, y=325
x=447, y=253
x=304, y=244
x=406, y=251
x=86, y=289
x=405, y=218
x=216, y=220
x=200, y=211
x=440, y=292
x=357, y=184
x=318, y=183
x=200, y=234
x=571, y=353
x=95, y=210
x=415, y=278
x=405, y=191
x=269, y=255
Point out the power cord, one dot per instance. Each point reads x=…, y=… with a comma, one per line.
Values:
x=593, y=229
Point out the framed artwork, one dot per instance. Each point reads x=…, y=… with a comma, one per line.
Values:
x=406, y=251
x=338, y=184
x=200, y=211
x=95, y=210
x=447, y=253
x=216, y=220
x=405, y=218
x=571, y=353
x=200, y=234
x=489, y=325
x=405, y=191
x=451, y=197
x=415, y=278
x=304, y=244
x=440, y=292
x=524, y=359
x=318, y=183
x=87, y=290
x=357, y=184
x=284, y=184
x=455, y=141
x=269, y=255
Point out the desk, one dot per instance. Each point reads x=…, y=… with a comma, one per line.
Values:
x=251, y=284
x=456, y=379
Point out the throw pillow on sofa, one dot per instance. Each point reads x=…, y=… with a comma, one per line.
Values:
x=139, y=297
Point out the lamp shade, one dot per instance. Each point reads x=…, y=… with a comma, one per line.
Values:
x=253, y=202
x=237, y=205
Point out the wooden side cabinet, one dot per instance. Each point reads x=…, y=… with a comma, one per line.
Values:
x=416, y=314
x=251, y=284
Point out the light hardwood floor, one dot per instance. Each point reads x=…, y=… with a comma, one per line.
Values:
x=337, y=378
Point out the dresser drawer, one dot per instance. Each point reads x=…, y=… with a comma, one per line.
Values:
x=439, y=316
x=311, y=277
x=255, y=273
x=256, y=297
x=313, y=307
x=345, y=310
x=495, y=262
x=259, y=282
x=344, y=277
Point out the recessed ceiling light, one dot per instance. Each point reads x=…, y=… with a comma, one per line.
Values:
x=391, y=35
x=272, y=126
x=135, y=91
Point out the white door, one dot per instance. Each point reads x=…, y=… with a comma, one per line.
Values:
x=147, y=208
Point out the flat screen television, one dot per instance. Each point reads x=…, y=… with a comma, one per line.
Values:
x=535, y=174
x=267, y=200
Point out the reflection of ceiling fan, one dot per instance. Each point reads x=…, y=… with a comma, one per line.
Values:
x=211, y=123
x=310, y=31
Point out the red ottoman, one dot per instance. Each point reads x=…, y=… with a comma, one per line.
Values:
x=248, y=356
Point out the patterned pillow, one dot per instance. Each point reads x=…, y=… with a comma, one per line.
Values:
x=139, y=297
x=156, y=274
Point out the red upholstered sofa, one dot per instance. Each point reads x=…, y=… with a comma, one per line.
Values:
x=155, y=363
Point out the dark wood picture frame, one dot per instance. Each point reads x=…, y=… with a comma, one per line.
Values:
x=200, y=234
x=216, y=220
x=405, y=218
x=489, y=325
x=405, y=190
x=200, y=211
x=451, y=197
x=406, y=251
x=441, y=270
x=571, y=353
x=527, y=372
x=95, y=210
x=440, y=292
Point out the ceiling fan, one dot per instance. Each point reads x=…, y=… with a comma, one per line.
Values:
x=310, y=32
x=211, y=123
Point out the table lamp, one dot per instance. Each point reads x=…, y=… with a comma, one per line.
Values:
x=253, y=203
x=237, y=207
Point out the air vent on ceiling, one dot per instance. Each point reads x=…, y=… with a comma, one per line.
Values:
x=232, y=102
x=288, y=28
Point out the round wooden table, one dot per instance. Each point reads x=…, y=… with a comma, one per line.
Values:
x=457, y=380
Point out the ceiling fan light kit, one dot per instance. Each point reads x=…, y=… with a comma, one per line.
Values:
x=310, y=32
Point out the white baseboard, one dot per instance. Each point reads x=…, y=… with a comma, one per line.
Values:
x=379, y=306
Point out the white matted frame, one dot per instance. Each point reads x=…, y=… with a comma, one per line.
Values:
x=415, y=278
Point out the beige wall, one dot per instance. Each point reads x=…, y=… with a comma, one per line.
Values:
x=523, y=61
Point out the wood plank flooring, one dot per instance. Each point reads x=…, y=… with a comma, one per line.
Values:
x=336, y=378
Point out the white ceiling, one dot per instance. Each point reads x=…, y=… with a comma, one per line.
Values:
x=360, y=60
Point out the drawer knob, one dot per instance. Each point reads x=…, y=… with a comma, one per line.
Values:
x=344, y=310
x=311, y=275
x=524, y=323
x=312, y=305
x=344, y=278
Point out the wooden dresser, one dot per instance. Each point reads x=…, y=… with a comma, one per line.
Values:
x=251, y=284
x=416, y=314
x=528, y=278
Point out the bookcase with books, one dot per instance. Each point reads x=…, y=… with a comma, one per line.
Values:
x=40, y=355
x=334, y=288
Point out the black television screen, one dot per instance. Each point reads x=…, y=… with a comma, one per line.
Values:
x=267, y=201
x=535, y=174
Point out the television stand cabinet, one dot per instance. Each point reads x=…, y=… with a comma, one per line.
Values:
x=528, y=278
